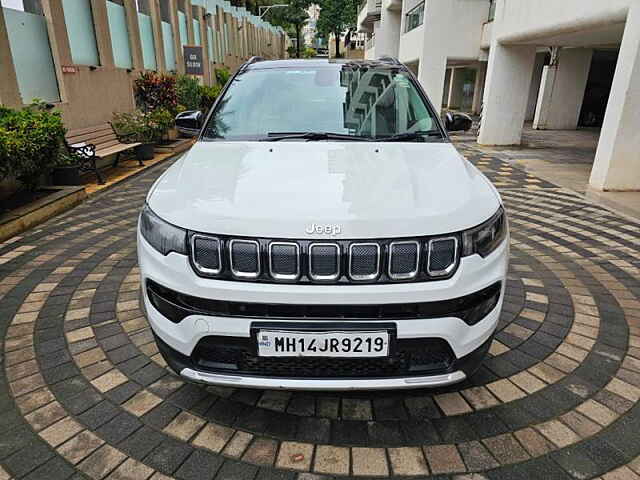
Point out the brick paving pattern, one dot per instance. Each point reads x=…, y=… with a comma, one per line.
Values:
x=84, y=392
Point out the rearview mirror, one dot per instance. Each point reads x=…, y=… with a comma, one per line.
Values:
x=457, y=122
x=189, y=123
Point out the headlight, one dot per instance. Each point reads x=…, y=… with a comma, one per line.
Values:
x=162, y=236
x=485, y=238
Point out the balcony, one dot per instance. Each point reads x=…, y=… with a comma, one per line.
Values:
x=369, y=14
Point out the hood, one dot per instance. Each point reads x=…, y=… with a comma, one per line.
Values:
x=349, y=189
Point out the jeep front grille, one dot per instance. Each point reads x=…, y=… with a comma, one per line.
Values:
x=338, y=262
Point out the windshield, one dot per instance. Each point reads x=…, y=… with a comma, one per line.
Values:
x=349, y=100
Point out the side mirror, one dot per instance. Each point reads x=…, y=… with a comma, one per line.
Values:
x=189, y=123
x=457, y=122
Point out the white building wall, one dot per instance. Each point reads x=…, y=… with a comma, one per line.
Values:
x=441, y=42
x=410, y=49
x=524, y=20
x=387, y=38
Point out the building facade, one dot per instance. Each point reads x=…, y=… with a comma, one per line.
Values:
x=557, y=64
x=83, y=55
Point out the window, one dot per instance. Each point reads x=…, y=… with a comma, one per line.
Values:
x=415, y=17
x=80, y=31
x=342, y=99
x=492, y=10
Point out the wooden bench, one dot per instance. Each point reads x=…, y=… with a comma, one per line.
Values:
x=93, y=143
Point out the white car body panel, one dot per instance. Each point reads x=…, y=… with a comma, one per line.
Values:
x=369, y=190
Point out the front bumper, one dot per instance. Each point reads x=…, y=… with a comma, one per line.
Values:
x=461, y=369
x=177, y=341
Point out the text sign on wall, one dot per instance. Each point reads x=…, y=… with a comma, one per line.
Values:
x=193, y=63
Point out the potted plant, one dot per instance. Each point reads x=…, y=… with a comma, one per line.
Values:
x=160, y=121
x=148, y=128
x=66, y=170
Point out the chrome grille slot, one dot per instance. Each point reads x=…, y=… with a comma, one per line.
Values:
x=364, y=261
x=206, y=252
x=404, y=258
x=324, y=261
x=442, y=256
x=245, y=258
x=284, y=260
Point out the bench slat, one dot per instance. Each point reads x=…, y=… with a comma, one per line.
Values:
x=121, y=147
x=106, y=144
x=94, y=129
x=92, y=138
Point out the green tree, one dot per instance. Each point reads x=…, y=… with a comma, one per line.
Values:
x=336, y=16
x=291, y=18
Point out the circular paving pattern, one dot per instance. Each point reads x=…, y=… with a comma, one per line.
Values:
x=85, y=394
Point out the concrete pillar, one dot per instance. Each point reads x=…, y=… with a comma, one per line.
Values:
x=456, y=86
x=562, y=90
x=617, y=161
x=204, y=40
x=175, y=28
x=188, y=12
x=506, y=92
x=535, y=86
x=103, y=36
x=9, y=90
x=478, y=88
x=388, y=34
x=156, y=27
x=433, y=61
x=135, y=44
x=59, y=43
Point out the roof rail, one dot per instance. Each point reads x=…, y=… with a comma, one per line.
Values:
x=388, y=59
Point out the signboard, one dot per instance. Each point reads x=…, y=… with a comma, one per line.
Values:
x=193, y=62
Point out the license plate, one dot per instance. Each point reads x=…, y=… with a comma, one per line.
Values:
x=274, y=343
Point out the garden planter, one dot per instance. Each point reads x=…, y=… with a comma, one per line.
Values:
x=67, y=175
x=172, y=134
x=144, y=151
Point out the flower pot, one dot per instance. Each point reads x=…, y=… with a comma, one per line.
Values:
x=144, y=151
x=67, y=175
x=172, y=134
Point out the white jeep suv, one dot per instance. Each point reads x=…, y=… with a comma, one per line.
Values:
x=323, y=233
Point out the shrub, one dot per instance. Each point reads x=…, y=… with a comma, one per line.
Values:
x=188, y=92
x=154, y=90
x=309, y=52
x=145, y=127
x=208, y=96
x=30, y=142
x=160, y=121
x=222, y=76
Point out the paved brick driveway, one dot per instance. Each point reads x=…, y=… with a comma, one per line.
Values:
x=84, y=392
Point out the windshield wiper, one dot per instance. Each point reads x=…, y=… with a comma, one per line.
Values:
x=311, y=136
x=419, y=135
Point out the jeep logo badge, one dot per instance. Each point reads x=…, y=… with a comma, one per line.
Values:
x=328, y=229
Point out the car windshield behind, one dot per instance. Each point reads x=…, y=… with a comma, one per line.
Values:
x=350, y=100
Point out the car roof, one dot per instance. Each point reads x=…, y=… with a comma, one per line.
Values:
x=385, y=62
